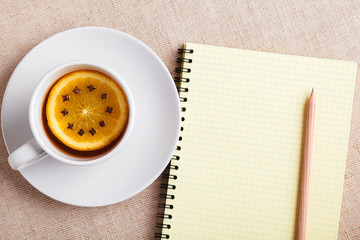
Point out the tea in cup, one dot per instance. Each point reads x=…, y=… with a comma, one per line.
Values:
x=80, y=113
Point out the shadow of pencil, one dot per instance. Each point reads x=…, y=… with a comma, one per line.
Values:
x=300, y=173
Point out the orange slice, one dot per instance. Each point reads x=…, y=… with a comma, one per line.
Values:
x=86, y=110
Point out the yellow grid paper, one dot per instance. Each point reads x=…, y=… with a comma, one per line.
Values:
x=241, y=154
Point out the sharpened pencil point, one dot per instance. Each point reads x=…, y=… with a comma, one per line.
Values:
x=312, y=90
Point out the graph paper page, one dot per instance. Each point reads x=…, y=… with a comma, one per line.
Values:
x=242, y=145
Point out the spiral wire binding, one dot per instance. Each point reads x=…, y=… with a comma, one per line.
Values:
x=172, y=166
x=181, y=79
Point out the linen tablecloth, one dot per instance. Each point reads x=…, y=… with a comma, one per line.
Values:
x=328, y=29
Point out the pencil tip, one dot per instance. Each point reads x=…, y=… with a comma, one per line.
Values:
x=312, y=90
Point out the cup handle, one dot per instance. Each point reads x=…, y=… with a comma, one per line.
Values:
x=26, y=155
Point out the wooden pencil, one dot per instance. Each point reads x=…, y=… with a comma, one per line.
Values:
x=310, y=120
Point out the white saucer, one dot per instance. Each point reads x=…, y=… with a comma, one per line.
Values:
x=156, y=126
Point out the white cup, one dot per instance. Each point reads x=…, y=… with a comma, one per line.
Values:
x=41, y=146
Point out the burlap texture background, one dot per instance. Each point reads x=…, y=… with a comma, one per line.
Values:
x=329, y=29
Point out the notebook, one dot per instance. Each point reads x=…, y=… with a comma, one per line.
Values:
x=238, y=173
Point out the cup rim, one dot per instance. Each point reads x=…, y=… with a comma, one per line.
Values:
x=79, y=64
